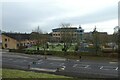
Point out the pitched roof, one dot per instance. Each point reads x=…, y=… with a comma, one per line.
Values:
x=17, y=36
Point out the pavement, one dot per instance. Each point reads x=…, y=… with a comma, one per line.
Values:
x=61, y=66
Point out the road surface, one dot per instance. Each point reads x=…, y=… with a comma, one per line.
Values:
x=75, y=68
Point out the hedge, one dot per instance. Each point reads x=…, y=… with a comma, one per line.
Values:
x=61, y=53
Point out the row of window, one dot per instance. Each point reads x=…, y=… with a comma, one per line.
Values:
x=59, y=34
x=20, y=44
x=56, y=34
x=68, y=30
x=25, y=44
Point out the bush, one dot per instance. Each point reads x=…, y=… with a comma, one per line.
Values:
x=16, y=50
x=62, y=53
x=28, y=52
x=36, y=52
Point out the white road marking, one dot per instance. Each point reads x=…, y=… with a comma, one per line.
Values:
x=75, y=65
x=40, y=62
x=40, y=69
x=87, y=66
x=116, y=68
x=81, y=66
x=108, y=68
x=101, y=67
x=58, y=64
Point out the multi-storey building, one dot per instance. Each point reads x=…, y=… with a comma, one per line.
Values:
x=73, y=32
x=104, y=37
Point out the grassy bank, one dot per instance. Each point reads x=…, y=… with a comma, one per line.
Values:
x=0, y=72
x=11, y=73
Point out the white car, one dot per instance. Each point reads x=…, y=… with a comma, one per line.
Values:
x=61, y=68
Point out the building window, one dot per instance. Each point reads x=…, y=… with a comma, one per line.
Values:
x=5, y=39
x=17, y=45
x=5, y=45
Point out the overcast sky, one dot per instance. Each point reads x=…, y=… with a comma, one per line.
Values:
x=26, y=15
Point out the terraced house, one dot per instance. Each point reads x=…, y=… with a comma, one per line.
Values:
x=16, y=40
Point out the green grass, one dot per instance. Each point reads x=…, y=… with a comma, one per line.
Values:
x=11, y=73
x=85, y=55
x=0, y=72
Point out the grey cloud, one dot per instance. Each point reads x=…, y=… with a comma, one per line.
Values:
x=108, y=13
x=19, y=16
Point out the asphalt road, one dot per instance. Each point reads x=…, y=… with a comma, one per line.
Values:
x=75, y=68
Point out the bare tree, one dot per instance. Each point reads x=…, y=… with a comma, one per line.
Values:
x=37, y=35
x=96, y=40
x=40, y=38
x=66, y=36
x=119, y=40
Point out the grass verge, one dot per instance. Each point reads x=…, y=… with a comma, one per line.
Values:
x=12, y=73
